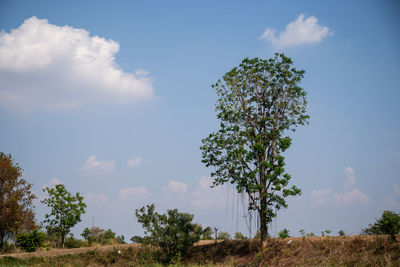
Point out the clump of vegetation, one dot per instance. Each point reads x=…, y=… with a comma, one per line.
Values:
x=239, y=235
x=30, y=241
x=173, y=232
x=341, y=233
x=224, y=236
x=101, y=236
x=388, y=224
x=284, y=233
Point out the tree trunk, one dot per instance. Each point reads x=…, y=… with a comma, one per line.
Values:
x=263, y=208
x=1, y=241
x=62, y=239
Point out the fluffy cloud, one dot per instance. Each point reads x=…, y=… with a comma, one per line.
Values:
x=96, y=199
x=301, y=31
x=204, y=197
x=321, y=197
x=45, y=66
x=54, y=181
x=349, y=196
x=134, y=193
x=93, y=166
x=135, y=162
x=175, y=187
x=353, y=196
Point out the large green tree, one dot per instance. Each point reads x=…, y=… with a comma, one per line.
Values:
x=259, y=103
x=16, y=197
x=66, y=209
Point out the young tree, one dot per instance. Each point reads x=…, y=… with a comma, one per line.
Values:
x=224, y=236
x=173, y=232
x=239, y=235
x=284, y=233
x=16, y=197
x=388, y=224
x=66, y=209
x=259, y=103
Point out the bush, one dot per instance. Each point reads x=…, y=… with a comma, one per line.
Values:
x=284, y=233
x=173, y=232
x=71, y=242
x=239, y=235
x=388, y=224
x=224, y=235
x=30, y=241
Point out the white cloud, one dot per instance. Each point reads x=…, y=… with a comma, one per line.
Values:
x=96, y=199
x=134, y=193
x=353, y=196
x=301, y=31
x=204, y=197
x=321, y=197
x=349, y=196
x=175, y=187
x=93, y=166
x=54, y=181
x=351, y=180
x=135, y=162
x=44, y=67
x=394, y=198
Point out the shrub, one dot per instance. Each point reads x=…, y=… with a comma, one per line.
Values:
x=284, y=233
x=71, y=242
x=388, y=224
x=239, y=235
x=173, y=232
x=341, y=233
x=224, y=235
x=30, y=241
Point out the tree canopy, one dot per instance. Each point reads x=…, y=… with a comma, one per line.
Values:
x=388, y=224
x=259, y=103
x=16, y=197
x=66, y=209
x=173, y=232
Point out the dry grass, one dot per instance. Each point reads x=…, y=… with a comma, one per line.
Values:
x=310, y=251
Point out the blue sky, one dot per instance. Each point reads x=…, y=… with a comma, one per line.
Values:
x=113, y=99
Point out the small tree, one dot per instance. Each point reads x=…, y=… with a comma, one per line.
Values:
x=341, y=233
x=173, y=232
x=284, y=233
x=66, y=210
x=388, y=224
x=16, y=197
x=224, y=236
x=259, y=103
x=239, y=235
x=207, y=234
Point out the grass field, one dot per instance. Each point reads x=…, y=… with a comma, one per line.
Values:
x=309, y=251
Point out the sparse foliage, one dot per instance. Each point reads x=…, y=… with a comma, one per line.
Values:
x=327, y=232
x=66, y=209
x=388, y=224
x=173, y=232
x=16, y=197
x=259, y=102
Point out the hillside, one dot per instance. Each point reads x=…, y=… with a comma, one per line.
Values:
x=311, y=251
